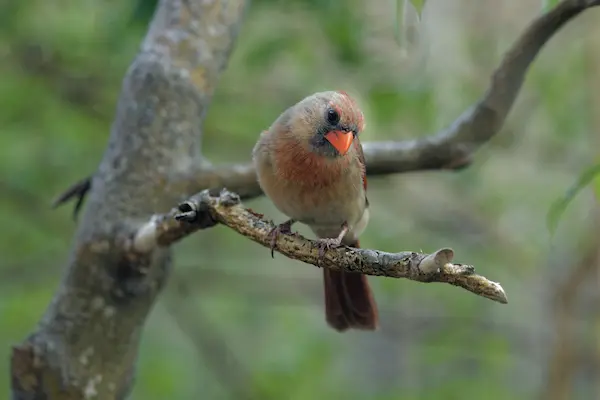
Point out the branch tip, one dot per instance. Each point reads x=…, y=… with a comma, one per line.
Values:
x=500, y=294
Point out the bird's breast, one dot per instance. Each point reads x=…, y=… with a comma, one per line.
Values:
x=318, y=192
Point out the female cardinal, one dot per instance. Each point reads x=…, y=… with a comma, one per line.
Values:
x=310, y=163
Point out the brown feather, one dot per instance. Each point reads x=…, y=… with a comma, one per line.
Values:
x=349, y=301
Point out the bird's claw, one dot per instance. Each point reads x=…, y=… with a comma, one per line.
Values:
x=326, y=244
x=281, y=229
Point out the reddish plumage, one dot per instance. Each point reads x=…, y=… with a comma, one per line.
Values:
x=349, y=302
x=295, y=164
x=317, y=180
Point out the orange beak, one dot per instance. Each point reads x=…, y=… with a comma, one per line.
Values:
x=341, y=140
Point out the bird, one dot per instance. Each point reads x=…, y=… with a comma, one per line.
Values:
x=310, y=164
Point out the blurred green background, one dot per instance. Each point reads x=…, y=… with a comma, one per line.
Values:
x=233, y=322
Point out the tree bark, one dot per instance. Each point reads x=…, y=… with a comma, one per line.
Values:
x=86, y=344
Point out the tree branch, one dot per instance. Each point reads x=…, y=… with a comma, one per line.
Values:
x=86, y=344
x=226, y=209
x=562, y=365
x=451, y=148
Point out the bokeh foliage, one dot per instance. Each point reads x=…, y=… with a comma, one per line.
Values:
x=233, y=320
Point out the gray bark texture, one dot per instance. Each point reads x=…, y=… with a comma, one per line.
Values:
x=85, y=346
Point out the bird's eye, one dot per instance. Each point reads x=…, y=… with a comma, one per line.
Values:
x=333, y=117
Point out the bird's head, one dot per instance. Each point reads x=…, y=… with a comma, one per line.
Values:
x=328, y=122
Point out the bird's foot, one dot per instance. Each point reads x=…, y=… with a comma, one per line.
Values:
x=327, y=244
x=281, y=229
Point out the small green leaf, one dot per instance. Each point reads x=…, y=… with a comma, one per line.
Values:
x=408, y=18
x=547, y=5
x=418, y=5
x=559, y=206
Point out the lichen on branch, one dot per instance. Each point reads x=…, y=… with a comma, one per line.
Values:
x=205, y=210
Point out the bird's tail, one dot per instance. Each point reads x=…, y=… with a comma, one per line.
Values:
x=349, y=302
